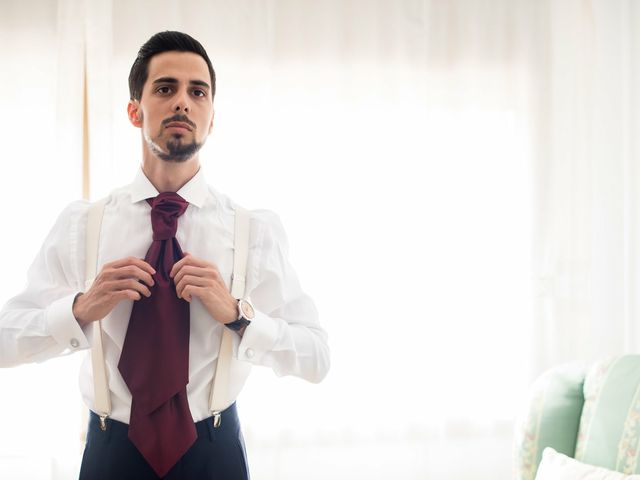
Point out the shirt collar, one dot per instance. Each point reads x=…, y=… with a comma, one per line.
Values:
x=194, y=191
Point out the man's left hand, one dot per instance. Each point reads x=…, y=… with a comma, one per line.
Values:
x=196, y=278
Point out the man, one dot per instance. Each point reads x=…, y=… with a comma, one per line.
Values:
x=166, y=257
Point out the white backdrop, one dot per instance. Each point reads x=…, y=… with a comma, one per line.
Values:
x=456, y=179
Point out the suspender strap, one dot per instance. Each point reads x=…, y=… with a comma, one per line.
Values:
x=100, y=382
x=220, y=385
x=241, y=252
x=219, y=389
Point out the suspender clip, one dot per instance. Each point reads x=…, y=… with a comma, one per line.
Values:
x=103, y=423
x=217, y=418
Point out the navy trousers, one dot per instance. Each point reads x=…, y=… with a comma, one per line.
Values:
x=218, y=453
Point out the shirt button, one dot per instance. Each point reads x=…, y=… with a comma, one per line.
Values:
x=249, y=353
x=74, y=343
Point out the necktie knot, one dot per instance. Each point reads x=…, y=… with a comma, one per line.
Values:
x=165, y=210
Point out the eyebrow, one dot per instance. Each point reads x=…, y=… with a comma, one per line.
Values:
x=173, y=80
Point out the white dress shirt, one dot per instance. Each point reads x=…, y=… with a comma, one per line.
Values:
x=285, y=335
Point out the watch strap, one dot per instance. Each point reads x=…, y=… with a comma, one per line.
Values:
x=237, y=325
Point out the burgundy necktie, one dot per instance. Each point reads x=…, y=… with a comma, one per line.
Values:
x=155, y=356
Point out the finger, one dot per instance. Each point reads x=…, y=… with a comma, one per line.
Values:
x=214, y=267
x=207, y=269
x=132, y=261
x=128, y=284
x=179, y=264
x=133, y=271
x=189, y=270
x=126, y=295
x=138, y=286
x=191, y=291
x=191, y=280
x=188, y=259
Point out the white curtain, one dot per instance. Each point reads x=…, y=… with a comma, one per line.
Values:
x=41, y=123
x=456, y=179
x=587, y=204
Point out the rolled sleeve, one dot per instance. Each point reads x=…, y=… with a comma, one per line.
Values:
x=63, y=326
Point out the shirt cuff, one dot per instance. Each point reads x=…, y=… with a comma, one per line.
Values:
x=259, y=338
x=63, y=326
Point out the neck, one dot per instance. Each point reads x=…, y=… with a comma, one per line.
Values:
x=169, y=176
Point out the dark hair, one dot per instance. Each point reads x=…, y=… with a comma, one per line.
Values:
x=164, y=42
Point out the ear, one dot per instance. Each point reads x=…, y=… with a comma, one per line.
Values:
x=213, y=114
x=135, y=113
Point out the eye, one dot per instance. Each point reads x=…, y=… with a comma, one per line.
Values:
x=199, y=93
x=163, y=90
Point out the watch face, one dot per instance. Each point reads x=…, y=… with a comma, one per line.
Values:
x=247, y=310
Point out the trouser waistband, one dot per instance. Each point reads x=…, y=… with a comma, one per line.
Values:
x=228, y=420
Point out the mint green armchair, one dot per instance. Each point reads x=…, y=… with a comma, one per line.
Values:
x=592, y=416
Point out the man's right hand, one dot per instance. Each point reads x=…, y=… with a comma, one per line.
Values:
x=118, y=280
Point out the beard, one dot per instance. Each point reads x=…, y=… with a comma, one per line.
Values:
x=176, y=149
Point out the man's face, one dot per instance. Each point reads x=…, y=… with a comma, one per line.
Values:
x=176, y=108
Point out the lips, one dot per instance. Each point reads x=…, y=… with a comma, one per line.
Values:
x=178, y=125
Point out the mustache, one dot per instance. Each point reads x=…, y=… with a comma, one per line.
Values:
x=179, y=118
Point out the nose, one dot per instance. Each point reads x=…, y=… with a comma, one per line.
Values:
x=181, y=103
x=183, y=107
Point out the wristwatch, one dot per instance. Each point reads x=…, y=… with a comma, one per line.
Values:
x=245, y=315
